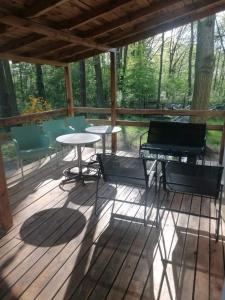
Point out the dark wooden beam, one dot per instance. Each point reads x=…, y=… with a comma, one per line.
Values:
x=47, y=48
x=71, y=52
x=77, y=57
x=99, y=11
x=5, y=213
x=18, y=43
x=41, y=7
x=186, y=14
x=157, y=25
x=153, y=8
x=51, y=33
x=33, y=60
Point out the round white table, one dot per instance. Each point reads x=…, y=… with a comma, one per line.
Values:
x=79, y=140
x=103, y=131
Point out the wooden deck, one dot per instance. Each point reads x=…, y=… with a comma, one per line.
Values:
x=58, y=249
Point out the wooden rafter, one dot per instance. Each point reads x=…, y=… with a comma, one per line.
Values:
x=32, y=60
x=5, y=213
x=51, y=33
x=194, y=10
x=156, y=25
x=93, y=14
x=47, y=49
x=20, y=42
x=164, y=27
x=153, y=8
x=41, y=7
x=83, y=55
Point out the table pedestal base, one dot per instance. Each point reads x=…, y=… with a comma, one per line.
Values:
x=81, y=174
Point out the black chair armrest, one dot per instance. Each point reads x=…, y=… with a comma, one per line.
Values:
x=141, y=136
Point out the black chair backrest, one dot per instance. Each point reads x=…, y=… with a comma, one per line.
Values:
x=122, y=169
x=177, y=133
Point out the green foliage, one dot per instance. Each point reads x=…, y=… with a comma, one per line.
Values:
x=140, y=79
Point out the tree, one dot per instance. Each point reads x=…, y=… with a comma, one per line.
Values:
x=40, y=82
x=8, y=104
x=190, y=61
x=82, y=86
x=160, y=71
x=204, y=64
x=100, y=101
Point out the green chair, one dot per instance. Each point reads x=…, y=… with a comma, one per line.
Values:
x=53, y=129
x=77, y=123
x=30, y=143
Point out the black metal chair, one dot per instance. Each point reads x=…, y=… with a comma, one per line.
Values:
x=125, y=170
x=175, y=139
x=196, y=180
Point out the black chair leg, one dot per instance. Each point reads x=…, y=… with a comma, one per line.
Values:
x=145, y=209
x=219, y=217
x=96, y=195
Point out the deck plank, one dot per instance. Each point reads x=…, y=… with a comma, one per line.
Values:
x=58, y=248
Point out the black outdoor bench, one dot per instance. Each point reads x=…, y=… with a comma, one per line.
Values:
x=175, y=139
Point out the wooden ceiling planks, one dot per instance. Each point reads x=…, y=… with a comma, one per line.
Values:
x=62, y=31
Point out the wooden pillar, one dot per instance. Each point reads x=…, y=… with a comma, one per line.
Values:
x=222, y=144
x=113, y=97
x=69, y=90
x=5, y=213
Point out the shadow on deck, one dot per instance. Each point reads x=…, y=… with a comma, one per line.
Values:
x=58, y=249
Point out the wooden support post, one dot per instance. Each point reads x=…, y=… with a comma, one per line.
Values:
x=113, y=97
x=5, y=213
x=69, y=90
x=222, y=144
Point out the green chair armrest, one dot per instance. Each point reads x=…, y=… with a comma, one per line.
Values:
x=68, y=130
x=16, y=145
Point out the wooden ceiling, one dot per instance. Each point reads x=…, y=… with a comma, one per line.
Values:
x=62, y=31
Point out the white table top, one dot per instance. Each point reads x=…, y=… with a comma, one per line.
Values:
x=78, y=139
x=105, y=129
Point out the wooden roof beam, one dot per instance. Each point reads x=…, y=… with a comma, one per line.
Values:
x=170, y=24
x=18, y=43
x=77, y=57
x=33, y=60
x=198, y=9
x=49, y=49
x=93, y=14
x=165, y=24
x=51, y=33
x=153, y=8
x=41, y=7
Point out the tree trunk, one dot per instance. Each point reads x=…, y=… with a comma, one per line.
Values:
x=204, y=64
x=99, y=83
x=8, y=104
x=124, y=69
x=160, y=72
x=83, y=96
x=40, y=82
x=190, y=61
x=216, y=71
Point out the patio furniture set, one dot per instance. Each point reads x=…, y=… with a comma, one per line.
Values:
x=169, y=158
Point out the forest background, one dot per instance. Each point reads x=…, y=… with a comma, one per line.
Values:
x=181, y=68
